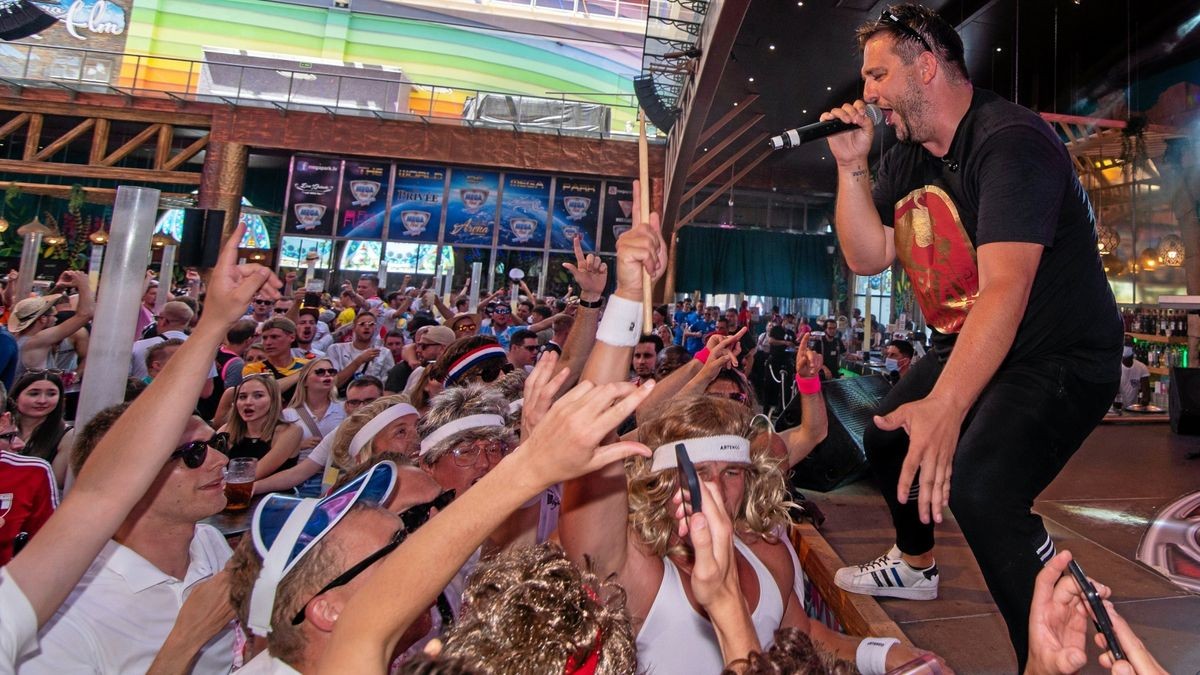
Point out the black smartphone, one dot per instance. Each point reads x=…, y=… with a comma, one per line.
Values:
x=688, y=480
x=1102, y=621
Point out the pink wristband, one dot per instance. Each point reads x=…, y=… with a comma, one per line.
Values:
x=808, y=385
x=702, y=355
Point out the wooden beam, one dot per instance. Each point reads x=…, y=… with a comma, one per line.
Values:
x=139, y=114
x=102, y=172
x=720, y=147
x=717, y=193
x=162, y=151
x=93, y=195
x=13, y=124
x=33, y=136
x=63, y=140
x=99, y=142
x=712, y=175
x=742, y=105
x=130, y=145
x=186, y=154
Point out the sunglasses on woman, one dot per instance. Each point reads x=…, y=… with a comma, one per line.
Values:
x=193, y=454
x=322, y=372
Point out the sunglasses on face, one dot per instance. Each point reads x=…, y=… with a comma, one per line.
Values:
x=280, y=310
x=322, y=372
x=193, y=454
x=466, y=327
x=416, y=516
x=890, y=19
x=349, y=575
x=263, y=302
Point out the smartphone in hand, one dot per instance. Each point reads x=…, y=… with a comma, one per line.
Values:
x=689, y=482
x=1102, y=621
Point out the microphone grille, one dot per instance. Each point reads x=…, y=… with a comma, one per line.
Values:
x=875, y=114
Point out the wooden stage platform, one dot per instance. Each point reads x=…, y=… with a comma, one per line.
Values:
x=1098, y=508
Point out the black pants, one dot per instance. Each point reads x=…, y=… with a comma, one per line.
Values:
x=1027, y=423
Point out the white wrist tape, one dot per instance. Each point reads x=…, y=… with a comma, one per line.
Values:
x=871, y=657
x=622, y=323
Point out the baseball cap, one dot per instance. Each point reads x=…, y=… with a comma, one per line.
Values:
x=441, y=335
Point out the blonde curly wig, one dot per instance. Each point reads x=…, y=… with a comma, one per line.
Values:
x=764, y=506
x=351, y=426
x=531, y=609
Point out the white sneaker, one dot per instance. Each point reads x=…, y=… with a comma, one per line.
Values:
x=888, y=575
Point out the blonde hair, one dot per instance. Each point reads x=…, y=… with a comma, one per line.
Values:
x=764, y=506
x=532, y=610
x=352, y=425
x=300, y=395
x=235, y=426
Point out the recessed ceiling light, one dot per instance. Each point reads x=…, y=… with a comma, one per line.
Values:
x=735, y=104
x=828, y=88
x=800, y=4
x=822, y=156
x=998, y=49
x=771, y=47
x=804, y=112
x=750, y=79
x=706, y=149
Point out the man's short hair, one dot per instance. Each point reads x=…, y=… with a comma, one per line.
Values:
x=281, y=322
x=155, y=351
x=543, y=312
x=563, y=323
x=365, y=381
x=177, y=312
x=653, y=339
x=904, y=347
x=87, y=438
x=520, y=336
x=912, y=20
x=241, y=331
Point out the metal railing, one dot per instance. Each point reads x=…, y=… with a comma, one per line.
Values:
x=297, y=85
x=634, y=10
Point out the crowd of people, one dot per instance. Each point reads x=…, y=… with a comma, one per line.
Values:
x=529, y=485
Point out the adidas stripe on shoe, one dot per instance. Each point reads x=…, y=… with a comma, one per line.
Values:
x=889, y=576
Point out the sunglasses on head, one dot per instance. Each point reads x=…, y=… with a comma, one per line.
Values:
x=889, y=18
x=349, y=575
x=194, y=453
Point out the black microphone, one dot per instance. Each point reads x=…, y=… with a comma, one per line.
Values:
x=811, y=132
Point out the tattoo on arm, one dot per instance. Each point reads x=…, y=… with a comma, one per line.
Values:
x=858, y=173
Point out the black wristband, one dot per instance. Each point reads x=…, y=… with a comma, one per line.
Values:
x=591, y=304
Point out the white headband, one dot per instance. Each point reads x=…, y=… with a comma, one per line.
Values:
x=516, y=406
x=376, y=425
x=728, y=448
x=462, y=424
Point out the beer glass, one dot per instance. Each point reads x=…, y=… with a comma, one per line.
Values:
x=239, y=482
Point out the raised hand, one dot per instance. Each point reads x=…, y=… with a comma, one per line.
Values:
x=232, y=286
x=566, y=442
x=640, y=249
x=589, y=271
x=808, y=362
x=541, y=388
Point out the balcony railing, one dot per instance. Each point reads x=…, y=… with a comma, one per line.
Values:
x=322, y=87
x=633, y=10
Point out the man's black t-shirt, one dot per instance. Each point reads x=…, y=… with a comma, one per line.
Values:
x=831, y=349
x=779, y=353
x=1006, y=178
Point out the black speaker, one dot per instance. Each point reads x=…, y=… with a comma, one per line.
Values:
x=1183, y=407
x=656, y=111
x=840, y=459
x=201, y=242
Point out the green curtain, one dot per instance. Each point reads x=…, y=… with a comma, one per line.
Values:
x=776, y=264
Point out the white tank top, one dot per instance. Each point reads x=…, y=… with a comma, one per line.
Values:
x=676, y=640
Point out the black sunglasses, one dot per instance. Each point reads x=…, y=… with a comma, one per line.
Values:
x=889, y=18
x=194, y=453
x=416, y=516
x=321, y=372
x=264, y=302
x=348, y=576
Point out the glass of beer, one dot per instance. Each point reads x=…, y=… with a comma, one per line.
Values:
x=239, y=482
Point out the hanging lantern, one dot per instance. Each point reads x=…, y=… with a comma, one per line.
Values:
x=1107, y=239
x=1170, y=250
x=160, y=240
x=1149, y=259
x=99, y=237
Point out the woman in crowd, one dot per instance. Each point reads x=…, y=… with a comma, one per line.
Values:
x=256, y=428
x=315, y=410
x=29, y=487
x=661, y=328
x=37, y=406
x=387, y=426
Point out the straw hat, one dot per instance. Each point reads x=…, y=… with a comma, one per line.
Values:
x=25, y=312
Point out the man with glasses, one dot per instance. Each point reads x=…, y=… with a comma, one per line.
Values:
x=982, y=206
x=501, y=326
x=430, y=346
x=120, y=615
x=261, y=309
x=523, y=350
x=292, y=595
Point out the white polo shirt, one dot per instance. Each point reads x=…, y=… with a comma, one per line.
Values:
x=118, y=616
x=342, y=353
x=18, y=623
